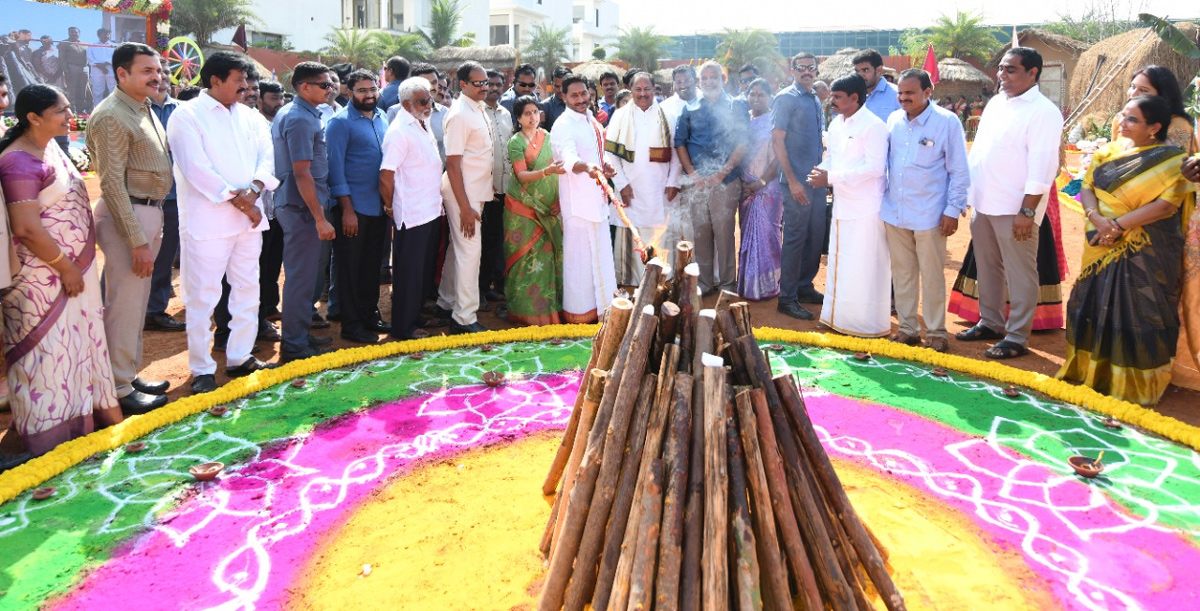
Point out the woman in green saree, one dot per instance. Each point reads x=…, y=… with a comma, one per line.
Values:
x=1123, y=316
x=532, y=229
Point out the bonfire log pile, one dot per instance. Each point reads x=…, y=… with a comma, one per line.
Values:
x=689, y=478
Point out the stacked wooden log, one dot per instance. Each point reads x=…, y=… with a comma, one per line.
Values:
x=689, y=478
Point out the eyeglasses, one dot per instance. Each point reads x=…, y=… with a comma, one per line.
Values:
x=366, y=91
x=480, y=84
x=804, y=68
x=747, y=80
x=527, y=85
x=326, y=85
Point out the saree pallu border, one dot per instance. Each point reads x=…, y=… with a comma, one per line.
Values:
x=1140, y=386
x=512, y=205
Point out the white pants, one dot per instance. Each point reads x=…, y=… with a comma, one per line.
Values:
x=589, y=279
x=103, y=83
x=459, y=290
x=202, y=263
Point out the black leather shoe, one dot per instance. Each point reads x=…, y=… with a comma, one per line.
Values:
x=494, y=295
x=138, y=402
x=163, y=322
x=268, y=333
x=474, y=327
x=288, y=356
x=318, y=322
x=439, y=312
x=316, y=341
x=360, y=337
x=380, y=326
x=795, y=310
x=151, y=388
x=333, y=317
x=203, y=383
x=711, y=291
x=813, y=296
x=250, y=366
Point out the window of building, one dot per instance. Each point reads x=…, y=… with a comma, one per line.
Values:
x=597, y=17
x=499, y=35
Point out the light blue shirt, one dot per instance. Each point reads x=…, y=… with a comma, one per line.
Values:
x=927, y=169
x=883, y=100
x=355, y=147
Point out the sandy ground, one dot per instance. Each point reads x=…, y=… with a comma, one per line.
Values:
x=166, y=352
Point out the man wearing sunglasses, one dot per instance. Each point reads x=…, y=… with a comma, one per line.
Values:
x=797, y=122
x=524, y=83
x=746, y=75
x=302, y=165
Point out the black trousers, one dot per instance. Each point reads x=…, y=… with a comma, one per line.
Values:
x=357, y=259
x=491, y=259
x=414, y=255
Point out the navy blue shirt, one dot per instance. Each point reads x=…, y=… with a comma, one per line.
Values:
x=554, y=108
x=355, y=154
x=163, y=112
x=507, y=98
x=298, y=135
x=711, y=131
x=798, y=113
x=390, y=96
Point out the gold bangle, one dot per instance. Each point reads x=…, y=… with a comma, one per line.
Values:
x=56, y=259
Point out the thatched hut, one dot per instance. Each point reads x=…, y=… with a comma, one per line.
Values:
x=1060, y=56
x=1104, y=96
x=958, y=78
x=502, y=58
x=837, y=65
x=592, y=69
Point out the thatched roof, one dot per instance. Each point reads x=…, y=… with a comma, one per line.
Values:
x=837, y=65
x=957, y=77
x=592, y=69
x=1028, y=37
x=499, y=57
x=1096, y=63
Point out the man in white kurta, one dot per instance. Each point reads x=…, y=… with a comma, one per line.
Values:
x=223, y=160
x=589, y=279
x=858, y=271
x=639, y=147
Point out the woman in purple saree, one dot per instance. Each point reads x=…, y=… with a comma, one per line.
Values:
x=59, y=375
x=761, y=210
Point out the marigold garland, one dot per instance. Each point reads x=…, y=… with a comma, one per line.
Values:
x=41, y=469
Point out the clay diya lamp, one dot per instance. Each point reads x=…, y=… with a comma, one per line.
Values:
x=862, y=356
x=1111, y=423
x=42, y=494
x=1085, y=466
x=775, y=348
x=206, y=472
x=493, y=378
x=1011, y=391
x=416, y=356
x=219, y=411
x=299, y=383
x=939, y=372
x=556, y=341
x=135, y=447
x=487, y=348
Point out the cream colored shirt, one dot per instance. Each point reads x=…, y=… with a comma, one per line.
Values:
x=467, y=133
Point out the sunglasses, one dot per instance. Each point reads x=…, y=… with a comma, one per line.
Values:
x=326, y=85
x=529, y=84
x=802, y=68
x=747, y=80
x=480, y=84
x=422, y=101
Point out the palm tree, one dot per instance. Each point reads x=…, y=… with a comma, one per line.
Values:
x=444, y=18
x=963, y=37
x=641, y=47
x=753, y=46
x=409, y=46
x=203, y=18
x=363, y=48
x=546, y=46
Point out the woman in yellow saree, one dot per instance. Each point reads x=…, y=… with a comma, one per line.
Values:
x=1123, y=316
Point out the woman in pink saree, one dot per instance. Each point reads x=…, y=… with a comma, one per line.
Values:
x=59, y=375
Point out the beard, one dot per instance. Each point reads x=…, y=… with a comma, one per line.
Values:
x=365, y=106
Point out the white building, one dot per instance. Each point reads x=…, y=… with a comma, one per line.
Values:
x=591, y=23
x=304, y=23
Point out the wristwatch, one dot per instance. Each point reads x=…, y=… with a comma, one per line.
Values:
x=1029, y=212
x=256, y=189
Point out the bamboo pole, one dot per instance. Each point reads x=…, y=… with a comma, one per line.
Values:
x=610, y=334
x=773, y=569
x=860, y=538
x=641, y=592
x=629, y=364
x=593, y=394
x=749, y=595
x=671, y=540
x=716, y=488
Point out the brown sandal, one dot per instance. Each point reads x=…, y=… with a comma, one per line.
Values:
x=938, y=343
x=901, y=337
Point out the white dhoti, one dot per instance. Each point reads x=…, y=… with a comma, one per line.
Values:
x=589, y=279
x=202, y=264
x=858, y=278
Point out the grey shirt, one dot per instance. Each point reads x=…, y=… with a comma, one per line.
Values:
x=298, y=135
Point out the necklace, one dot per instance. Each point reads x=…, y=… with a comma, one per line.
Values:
x=40, y=149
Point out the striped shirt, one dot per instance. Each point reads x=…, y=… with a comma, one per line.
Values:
x=129, y=147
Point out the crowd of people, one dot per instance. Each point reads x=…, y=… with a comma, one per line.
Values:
x=492, y=197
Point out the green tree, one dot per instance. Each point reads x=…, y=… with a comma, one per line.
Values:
x=599, y=53
x=546, y=47
x=752, y=46
x=445, y=16
x=641, y=47
x=913, y=44
x=963, y=37
x=203, y=18
x=409, y=46
x=363, y=48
